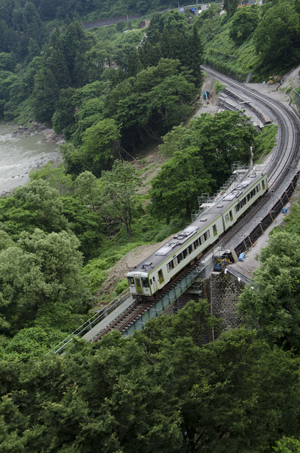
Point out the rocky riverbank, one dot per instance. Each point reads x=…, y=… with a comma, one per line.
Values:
x=50, y=135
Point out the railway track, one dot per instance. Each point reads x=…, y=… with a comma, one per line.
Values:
x=142, y=305
x=284, y=158
x=285, y=155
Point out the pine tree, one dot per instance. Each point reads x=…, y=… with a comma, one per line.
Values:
x=58, y=65
x=33, y=48
x=194, y=54
x=45, y=95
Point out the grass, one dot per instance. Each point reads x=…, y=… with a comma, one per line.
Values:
x=265, y=142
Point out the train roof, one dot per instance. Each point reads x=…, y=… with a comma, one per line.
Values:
x=205, y=219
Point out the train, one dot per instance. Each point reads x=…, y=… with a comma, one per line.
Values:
x=149, y=277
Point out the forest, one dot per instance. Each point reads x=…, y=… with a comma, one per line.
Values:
x=118, y=94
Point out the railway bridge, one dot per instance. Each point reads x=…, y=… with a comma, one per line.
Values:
x=128, y=315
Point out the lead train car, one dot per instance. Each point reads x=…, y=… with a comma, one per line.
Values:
x=152, y=274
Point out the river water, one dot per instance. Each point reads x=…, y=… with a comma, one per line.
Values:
x=19, y=155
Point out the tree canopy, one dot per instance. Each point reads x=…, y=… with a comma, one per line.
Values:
x=38, y=270
x=273, y=305
x=206, y=148
x=276, y=36
x=160, y=390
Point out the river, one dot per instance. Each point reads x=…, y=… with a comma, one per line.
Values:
x=19, y=155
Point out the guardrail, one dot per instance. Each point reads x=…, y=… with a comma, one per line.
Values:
x=114, y=20
x=90, y=323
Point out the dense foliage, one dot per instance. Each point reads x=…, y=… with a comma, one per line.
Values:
x=257, y=40
x=111, y=94
x=203, y=154
x=162, y=390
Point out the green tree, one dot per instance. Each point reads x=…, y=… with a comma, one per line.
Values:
x=39, y=270
x=178, y=184
x=100, y=145
x=273, y=305
x=161, y=390
x=243, y=24
x=194, y=54
x=87, y=189
x=87, y=225
x=56, y=177
x=45, y=95
x=230, y=6
x=171, y=141
x=32, y=342
x=35, y=205
x=287, y=445
x=171, y=98
x=63, y=119
x=222, y=139
x=33, y=49
x=119, y=193
x=277, y=36
x=120, y=25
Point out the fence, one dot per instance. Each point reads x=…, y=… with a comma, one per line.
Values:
x=297, y=99
x=268, y=219
x=90, y=323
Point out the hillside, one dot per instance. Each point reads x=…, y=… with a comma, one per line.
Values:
x=141, y=146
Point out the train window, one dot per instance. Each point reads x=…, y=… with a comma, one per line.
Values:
x=196, y=243
x=145, y=282
x=131, y=281
x=258, y=187
x=170, y=265
x=215, y=230
x=263, y=184
x=191, y=248
x=207, y=234
x=179, y=257
x=231, y=217
x=160, y=276
x=150, y=281
x=184, y=253
x=226, y=218
x=154, y=279
x=202, y=239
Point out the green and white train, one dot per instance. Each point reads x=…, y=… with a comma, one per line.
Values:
x=155, y=272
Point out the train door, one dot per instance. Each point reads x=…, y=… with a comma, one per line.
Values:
x=154, y=285
x=161, y=276
x=138, y=285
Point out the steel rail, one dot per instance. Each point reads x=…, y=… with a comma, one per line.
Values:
x=278, y=169
x=287, y=146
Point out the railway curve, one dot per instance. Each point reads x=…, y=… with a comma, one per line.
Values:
x=280, y=168
x=285, y=155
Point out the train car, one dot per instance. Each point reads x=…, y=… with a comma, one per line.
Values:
x=152, y=274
